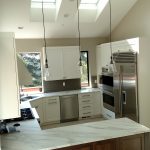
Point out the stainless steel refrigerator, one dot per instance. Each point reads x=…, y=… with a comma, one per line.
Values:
x=125, y=85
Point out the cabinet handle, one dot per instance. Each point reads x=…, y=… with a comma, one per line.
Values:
x=87, y=113
x=52, y=103
x=86, y=95
x=86, y=101
x=86, y=106
x=52, y=99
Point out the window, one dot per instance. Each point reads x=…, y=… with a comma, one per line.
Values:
x=84, y=69
x=46, y=3
x=93, y=4
x=29, y=72
x=88, y=4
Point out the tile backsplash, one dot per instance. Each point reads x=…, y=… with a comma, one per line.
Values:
x=94, y=81
x=61, y=85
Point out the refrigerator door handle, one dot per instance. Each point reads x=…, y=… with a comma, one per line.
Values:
x=124, y=97
x=120, y=91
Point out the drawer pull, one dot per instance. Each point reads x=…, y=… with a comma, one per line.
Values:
x=54, y=99
x=86, y=95
x=86, y=106
x=52, y=103
x=36, y=107
x=87, y=113
x=86, y=101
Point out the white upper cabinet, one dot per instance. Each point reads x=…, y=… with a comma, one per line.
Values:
x=54, y=56
x=71, y=57
x=63, y=62
x=103, y=51
x=103, y=55
x=9, y=89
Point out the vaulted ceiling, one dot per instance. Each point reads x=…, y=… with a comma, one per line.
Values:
x=60, y=21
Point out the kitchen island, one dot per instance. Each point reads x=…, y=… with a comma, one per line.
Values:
x=115, y=134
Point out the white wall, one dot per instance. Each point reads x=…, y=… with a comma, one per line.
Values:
x=137, y=24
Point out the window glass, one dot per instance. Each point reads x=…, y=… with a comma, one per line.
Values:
x=29, y=72
x=84, y=69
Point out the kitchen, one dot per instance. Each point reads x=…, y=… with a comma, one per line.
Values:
x=140, y=10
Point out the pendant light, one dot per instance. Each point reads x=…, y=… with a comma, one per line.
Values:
x=80, y=60
x=112, y=66
x=46, y=70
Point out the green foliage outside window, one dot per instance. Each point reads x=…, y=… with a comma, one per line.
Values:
x=33, y=65
x=84, y=68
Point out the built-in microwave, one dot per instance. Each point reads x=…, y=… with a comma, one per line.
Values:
x=106, y=81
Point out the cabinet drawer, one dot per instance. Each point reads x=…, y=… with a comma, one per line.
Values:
x=85, y=101
x=86, y=106
x=52, y=100
x=85, y=96
x=83, y=114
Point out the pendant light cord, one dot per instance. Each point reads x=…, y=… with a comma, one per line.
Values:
x=78, y=23
x=45, y=45
x=110, y=35
x=80, y=63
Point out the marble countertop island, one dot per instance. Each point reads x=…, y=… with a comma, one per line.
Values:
x=31, y=137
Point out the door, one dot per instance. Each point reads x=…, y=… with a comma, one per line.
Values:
x=125, y=90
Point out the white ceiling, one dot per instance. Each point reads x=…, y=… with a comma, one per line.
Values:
x=18, y=13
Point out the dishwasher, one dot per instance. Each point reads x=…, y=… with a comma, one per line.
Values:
x=69, y=108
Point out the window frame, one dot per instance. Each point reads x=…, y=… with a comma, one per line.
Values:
x=88, y=73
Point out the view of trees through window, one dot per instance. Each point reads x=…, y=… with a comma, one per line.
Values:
x=84, y=69
x=33, y=65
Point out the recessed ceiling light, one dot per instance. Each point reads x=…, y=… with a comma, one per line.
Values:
x=20, y=28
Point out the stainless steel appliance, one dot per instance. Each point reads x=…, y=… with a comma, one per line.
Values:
x=125, y=85
x=69, y=108
x=106, y=85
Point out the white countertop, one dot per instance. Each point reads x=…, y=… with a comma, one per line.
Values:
x=32, y=137
x=61, y=93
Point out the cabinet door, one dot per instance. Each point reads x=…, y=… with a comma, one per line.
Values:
x=54, y=56
x=9, y=89
x=71, y=70
x=52, y=110
x=105, y=55
x=38, y=105
x=105, y=145
x=132, y=143
x=97, y=106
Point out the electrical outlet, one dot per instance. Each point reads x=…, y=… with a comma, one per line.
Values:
x=64, y=84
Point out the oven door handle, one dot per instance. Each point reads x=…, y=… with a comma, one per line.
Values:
x=107, y=92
